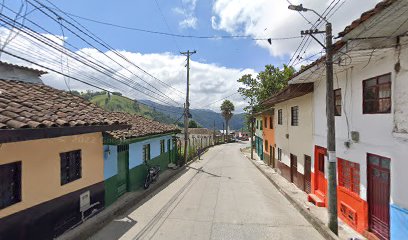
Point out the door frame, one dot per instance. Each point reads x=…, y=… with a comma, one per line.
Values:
x=272, y=156
x=319, y=150
x=126, y=163
x=308, y=171
x=369, y=196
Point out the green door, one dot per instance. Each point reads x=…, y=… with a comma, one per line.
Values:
x=168, y=150
x=123, y=169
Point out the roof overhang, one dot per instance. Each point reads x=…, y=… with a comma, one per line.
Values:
x=26, y=134
x=290, y=92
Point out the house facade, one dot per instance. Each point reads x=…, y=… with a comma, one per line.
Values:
x=268, y=136
x=293, y=120
x=51, y=160
x=371, y=123
x=128, y=153
x=259, y=136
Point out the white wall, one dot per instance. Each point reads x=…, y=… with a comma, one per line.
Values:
x=376, y=130
x=258, y=131
x=300, y=141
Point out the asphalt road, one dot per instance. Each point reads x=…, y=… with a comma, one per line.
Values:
x=222, y=196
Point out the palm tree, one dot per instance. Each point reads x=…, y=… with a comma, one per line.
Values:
x=226, y=110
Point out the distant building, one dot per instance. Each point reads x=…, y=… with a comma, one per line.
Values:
x=10, y=71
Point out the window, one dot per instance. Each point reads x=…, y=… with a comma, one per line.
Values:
x=271, y=122
x=257, y=124
x=294, y=116
x=71, y=166
x=146, y=152
x=10, y=184
x=279, y=154
x=280, y=116
x=260, y=124
x=162, y=147
x=349, y=175
x=266, y=145
x=377, y=94
x=266, y=122
x=337, y=102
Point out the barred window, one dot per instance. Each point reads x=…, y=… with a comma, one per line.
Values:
x=71, y=166
x=349, y=175
x=271, y=122
x=162, y=147
x=10, y=184
x=280, y=116
x=337, y=102
x=266, y=122
x=294, y=116
x=279, y=154
x=260, y=125
x=146, y=152
x=377, y=94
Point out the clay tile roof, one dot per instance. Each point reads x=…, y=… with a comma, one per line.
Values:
x=366, y=15
x=290, y=92
x=140, y=126
x=28, y=105
x=40, y=72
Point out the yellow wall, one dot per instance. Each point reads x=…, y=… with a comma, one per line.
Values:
x=41, y=172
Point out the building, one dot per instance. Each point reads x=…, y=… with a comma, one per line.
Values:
x=268, y=136
x=259, y=135
x=371, y=122
x=293, y=140
x=20, y=73
x=129, y=152
x=51, y=160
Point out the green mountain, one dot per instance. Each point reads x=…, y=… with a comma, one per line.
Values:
x=118, y=103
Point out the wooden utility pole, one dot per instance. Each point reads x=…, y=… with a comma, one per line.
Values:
x=331, y=133
x=252, y=134
x=186, y=109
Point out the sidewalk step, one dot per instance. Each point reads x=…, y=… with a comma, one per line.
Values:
x=315, y=199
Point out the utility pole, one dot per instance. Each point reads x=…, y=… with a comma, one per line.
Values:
x=214, y=134
x=187, y=106
x=223, y=135
x=252, y=134
x=331, y=133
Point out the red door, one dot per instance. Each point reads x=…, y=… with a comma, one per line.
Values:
x=378, y=174
x=320, y=181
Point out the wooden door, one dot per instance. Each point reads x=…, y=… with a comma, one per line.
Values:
x=378, y=195
x=123, y=169
x=293, y=168
x=272, y=152
x=320, y=181
x=308, y=174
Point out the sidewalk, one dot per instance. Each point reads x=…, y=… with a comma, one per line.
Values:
x=317, y=216
x=124, y=203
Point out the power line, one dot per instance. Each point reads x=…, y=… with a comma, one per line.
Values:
x=181, y=35
x=219, y=100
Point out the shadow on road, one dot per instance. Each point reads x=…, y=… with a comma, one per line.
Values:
x=203, y=171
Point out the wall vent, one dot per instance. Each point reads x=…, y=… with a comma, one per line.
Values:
x=348, y=213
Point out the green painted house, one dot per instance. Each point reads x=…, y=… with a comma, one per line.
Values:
x=127, y=153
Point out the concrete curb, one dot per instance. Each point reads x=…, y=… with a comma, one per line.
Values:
x=123, y=204
x=316, y=222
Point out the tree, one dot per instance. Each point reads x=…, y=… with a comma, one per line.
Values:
x=266, y=83
x=193, y=124
x=226, y=110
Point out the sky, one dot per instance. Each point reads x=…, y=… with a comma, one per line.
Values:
x=151, y=64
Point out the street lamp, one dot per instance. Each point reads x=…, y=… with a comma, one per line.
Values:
x=331, y=134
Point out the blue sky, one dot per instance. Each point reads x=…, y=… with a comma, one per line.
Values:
x=218, y=62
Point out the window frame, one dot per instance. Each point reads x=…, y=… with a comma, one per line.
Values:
x=16, y=182
x=294, y=121
x=265, y=122
x=271, y=122
x=280, y=117
x=73, y=173
x=352, y=171
x=280, y=154
x=146, y=152
x=336, y=113
x=260, y=125
x=377, y=86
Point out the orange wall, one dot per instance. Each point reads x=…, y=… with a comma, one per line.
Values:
x=40, y=170
x=357, y=204
x=268, y=133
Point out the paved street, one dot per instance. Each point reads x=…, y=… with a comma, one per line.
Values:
x=222, y=196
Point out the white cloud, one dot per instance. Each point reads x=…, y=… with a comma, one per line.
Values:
x=209, y=82
x=265, y=18
x=187, y=11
